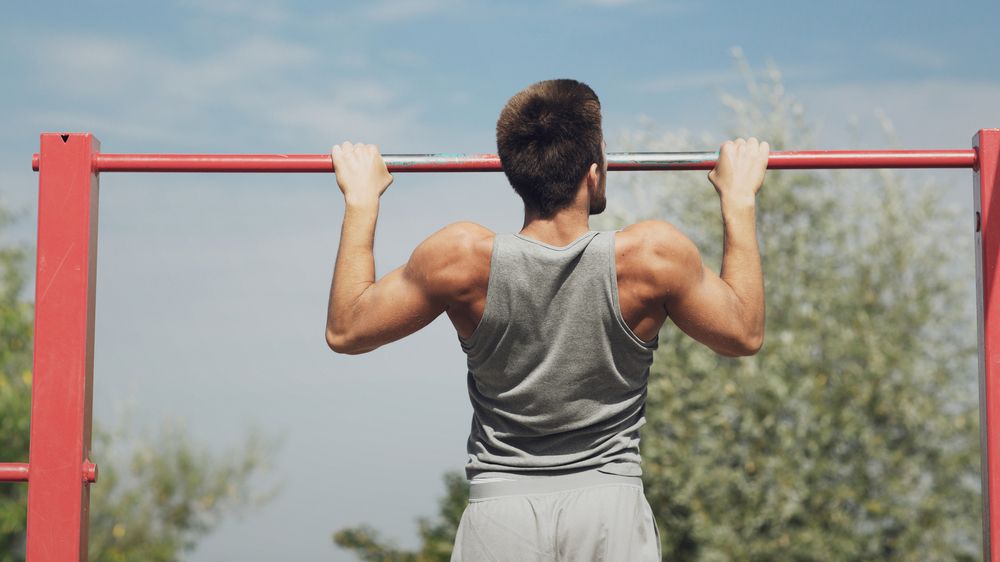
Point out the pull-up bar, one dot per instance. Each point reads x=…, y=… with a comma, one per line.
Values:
x=59, y=471
x=618, y=161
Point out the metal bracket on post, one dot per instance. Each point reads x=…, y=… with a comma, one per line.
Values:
x=62, y=381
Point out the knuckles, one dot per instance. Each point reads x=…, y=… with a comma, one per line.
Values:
x=354, y=149
x=739, y=148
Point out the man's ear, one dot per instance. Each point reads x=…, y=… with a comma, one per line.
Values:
x=590, y=182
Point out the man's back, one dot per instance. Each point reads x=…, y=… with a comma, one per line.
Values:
x=640, y=305
x=556, y=378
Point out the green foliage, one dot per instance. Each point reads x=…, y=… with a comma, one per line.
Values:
x=156, y=500
x=157, y=493
x=437, y=534
x=15, y=390
x=853, y=433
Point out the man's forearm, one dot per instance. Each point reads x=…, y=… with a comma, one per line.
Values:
x=354, y=270
x=741, y=268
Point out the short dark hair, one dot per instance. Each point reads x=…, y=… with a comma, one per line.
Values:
x=548, y=135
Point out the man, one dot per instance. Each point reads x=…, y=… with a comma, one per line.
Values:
x=559, y=323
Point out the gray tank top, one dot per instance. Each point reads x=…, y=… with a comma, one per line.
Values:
x=556, y=377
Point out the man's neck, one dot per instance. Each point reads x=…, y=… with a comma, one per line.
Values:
x=560, y=229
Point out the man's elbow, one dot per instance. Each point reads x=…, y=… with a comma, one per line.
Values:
x=749, y=346
x=742, y=348
x=754, y=345
x=341, y=343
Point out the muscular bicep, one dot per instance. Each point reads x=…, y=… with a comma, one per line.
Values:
x=700, y=302
x=397, y=305
x=411, y=296
x=710, y=312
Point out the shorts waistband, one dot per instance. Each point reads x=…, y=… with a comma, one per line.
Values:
x=546, y=484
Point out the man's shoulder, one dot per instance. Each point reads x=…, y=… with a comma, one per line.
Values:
x=653, y=237
x=462, y=240
x=655, y=252
x=457, y=236
x=465, y=232
x=457, y=256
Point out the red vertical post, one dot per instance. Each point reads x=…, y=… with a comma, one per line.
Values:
x=62, y=392
x=987, y=218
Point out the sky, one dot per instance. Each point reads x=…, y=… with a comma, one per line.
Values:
x=212, y=289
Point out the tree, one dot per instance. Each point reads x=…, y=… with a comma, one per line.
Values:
x=853, y=433
x=437, y=534
x=15, y=391
x=152, y=502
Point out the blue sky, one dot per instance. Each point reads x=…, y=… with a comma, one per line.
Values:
x=212, y=289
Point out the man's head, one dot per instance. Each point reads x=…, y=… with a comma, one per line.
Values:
x=548, y=138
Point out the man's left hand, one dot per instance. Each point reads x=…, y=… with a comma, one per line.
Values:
x=361, y=172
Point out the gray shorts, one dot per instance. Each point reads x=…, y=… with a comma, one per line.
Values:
x=582, y=516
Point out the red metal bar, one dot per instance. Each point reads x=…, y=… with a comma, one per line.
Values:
x=263, y=163
x=62, y=389
x=18, y=472
x=14, y=472
x=987, y=220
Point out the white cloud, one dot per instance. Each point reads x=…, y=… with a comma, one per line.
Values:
x=401, y=10
x=250, y=87
x=660, y=6
x=610, y=2
x=346, y=114
x=269, y=12
x=400, y=57
x=920, y=56
x=105, y=126
x=712, y=80
x=699, y=80
x=354, y=60
x=107, y=66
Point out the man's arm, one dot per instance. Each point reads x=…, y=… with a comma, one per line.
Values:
x=364, y=314
x=725, y=312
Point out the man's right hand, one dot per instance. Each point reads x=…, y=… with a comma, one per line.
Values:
x=739, y=172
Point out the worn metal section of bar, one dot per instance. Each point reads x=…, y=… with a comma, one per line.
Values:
x=801, y=160
x=620, y=161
